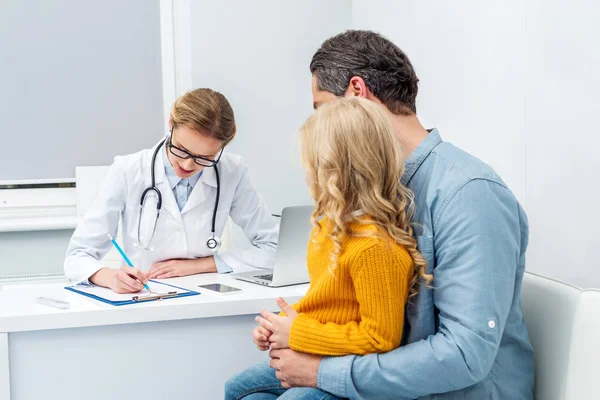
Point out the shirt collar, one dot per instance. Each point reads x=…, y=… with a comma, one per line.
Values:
x=172, y=176
x=416, y=158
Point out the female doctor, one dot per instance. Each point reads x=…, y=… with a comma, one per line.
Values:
x=173, y=201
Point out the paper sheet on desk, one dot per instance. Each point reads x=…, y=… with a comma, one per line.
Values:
x=109, y=295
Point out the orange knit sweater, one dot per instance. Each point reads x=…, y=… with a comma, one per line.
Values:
x=359, y=309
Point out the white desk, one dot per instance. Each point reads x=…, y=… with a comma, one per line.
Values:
x=176, y=348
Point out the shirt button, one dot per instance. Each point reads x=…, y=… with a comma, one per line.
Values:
x=492, y=324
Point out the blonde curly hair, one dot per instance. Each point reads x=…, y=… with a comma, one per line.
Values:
x=354, y=163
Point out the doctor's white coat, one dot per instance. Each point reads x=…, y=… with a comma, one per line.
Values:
x=179, y=234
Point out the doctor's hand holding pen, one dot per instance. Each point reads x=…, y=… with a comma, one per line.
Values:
x=128, y=279
x=124, y=280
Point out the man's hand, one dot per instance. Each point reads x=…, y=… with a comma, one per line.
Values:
x=294, y=369
x=173, y=268
x=279, y=326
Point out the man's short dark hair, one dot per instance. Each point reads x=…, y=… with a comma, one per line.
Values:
x=385, y=68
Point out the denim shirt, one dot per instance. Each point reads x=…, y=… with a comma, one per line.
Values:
x=465, y=338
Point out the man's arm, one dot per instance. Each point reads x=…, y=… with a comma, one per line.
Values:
x=477, y=244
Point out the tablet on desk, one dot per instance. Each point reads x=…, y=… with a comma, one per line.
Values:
x=219, y=288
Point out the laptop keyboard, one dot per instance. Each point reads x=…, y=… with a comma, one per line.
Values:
x=267, y=277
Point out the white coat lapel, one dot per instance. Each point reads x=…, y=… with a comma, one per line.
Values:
x=198, y=195
x=169, y=203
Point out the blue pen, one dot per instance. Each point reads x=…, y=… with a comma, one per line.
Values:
x=114, y=242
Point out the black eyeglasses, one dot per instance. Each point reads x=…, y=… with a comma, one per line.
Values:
x=203, y=161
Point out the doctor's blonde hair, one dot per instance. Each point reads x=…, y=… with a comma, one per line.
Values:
x=207, y=112
x=354, y=163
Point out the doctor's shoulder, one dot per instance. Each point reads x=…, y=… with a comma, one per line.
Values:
x=128, y=162
x=131, y=166
x=232, y=166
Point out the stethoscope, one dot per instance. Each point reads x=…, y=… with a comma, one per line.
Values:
x=213, y=242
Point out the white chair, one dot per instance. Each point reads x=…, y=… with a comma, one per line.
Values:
x=564, y=326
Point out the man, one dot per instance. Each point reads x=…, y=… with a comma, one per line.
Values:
x=465, y=338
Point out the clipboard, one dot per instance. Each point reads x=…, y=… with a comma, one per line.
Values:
x=159, y=291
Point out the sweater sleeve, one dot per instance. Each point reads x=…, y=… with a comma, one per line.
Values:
x=380, y=280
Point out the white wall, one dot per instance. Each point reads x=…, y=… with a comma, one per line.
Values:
x=512, y=82
x=515, y=83
x=563, y=61
x=257, y=53
x=468, y=57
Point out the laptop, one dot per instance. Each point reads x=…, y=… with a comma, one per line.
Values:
x=290, y=258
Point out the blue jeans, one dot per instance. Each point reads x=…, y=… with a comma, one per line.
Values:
x=260, y=383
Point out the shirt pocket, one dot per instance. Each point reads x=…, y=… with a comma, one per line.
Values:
x=423, y=300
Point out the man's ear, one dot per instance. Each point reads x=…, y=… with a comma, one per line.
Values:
x=357, y=88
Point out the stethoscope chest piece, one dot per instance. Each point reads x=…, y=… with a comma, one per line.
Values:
x=213, y=243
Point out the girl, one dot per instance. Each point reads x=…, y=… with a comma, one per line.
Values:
x=362, y=258
x=173, y=201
